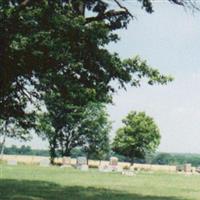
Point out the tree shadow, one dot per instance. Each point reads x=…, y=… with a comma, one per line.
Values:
x=42, y=190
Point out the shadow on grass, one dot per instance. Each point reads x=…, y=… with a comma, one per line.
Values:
x=41, y=190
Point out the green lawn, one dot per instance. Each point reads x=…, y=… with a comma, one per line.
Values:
x=38, y=183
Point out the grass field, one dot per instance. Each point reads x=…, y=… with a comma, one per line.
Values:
x=37, y=183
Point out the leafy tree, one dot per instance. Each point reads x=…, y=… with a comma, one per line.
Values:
x=67, y=126
x=164, y=159
x=138, y=136
x=60, y=125
x=45, y=130
x=96, y=128
x=55, y=46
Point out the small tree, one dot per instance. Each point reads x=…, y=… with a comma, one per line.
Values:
x=139, y=136
x=46, y=131
x=96, y=127
x=164, y=159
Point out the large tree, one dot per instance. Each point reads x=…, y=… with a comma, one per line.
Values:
x=59, y=46
x=51, y=39
x=138, y=136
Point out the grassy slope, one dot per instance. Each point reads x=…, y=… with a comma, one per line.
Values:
x=37, y=183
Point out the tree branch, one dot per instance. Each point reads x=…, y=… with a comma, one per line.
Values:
x=25, y=2
x=123, y=7
x=109, y=14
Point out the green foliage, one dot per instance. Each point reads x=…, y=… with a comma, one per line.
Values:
x=24, y=150
x=67, y=126
x=139, y=136
x=13, y=129
x=175, y=159
x=54, y=48
x=61, y=125
x=164, y=159
x=50, y=46
x=77, y=152
x=96, y=128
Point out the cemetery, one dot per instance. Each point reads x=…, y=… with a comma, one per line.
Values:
x=99, y=100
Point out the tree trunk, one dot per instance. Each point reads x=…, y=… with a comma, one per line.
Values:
x=78, y=6
x=3, y=142
x=87, y=157
x=52, y=150
x=52, y=155
x=67, y=152
x=132, y=160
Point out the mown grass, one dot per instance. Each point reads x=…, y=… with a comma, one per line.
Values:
x=38, y=183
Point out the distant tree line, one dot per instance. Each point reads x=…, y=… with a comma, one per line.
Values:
x=25, y=150
x=176, y=159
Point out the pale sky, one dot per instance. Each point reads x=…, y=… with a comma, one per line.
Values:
x=169, y=39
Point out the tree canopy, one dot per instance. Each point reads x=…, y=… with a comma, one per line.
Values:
x=96, y=128
x=138, y=136
x=53, y=45
x=59, y=47
x=67, y=127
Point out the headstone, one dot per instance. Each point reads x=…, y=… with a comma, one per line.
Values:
x=66, y=161
x=179, y=168
x=84, y=168
x=128, y=173
x=105, y=168
x=113, y=161
x=193, y=170
x=81, y=163
x=198, y=169
x=188, y=167
x=45, y=163
x=12, y=162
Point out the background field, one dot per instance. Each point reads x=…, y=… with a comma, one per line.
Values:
x=53, y=183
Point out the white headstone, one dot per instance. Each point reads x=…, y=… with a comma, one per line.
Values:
x=105, y=168
x=187, y=167
x=12, y=162
x=113, y=161
x=81, y=161
x=45, y=163
x=128, y=173
x=84, y=168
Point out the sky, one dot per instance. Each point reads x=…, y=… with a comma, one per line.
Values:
x=169, y=39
